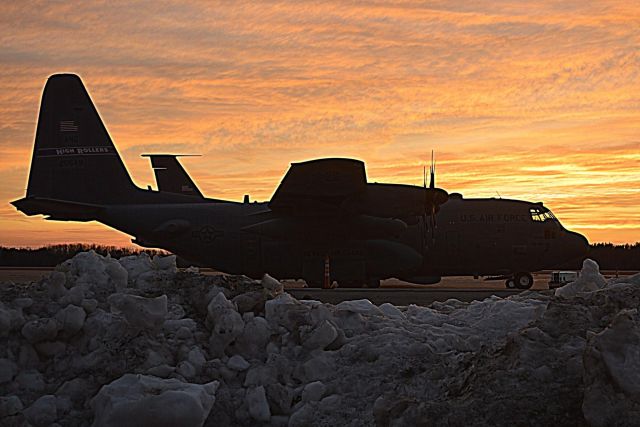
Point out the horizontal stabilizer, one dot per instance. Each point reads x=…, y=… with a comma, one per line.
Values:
x=59, y=210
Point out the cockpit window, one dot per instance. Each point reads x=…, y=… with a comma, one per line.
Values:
x=541, y=214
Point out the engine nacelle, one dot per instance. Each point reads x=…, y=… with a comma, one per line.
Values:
x=387, y=259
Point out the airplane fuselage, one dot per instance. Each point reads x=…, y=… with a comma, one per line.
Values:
x=473, y=237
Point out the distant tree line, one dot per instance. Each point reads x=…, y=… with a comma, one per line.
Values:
x=52, y=255
x=616, y=257
x=608, y=255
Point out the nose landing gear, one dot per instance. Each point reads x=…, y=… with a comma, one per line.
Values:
x=521, y=280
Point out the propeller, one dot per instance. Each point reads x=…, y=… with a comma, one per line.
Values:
x=429, y=199
x=432, y=186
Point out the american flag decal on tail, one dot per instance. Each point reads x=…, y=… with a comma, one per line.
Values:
x=68, y=126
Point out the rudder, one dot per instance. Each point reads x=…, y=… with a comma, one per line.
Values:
x=74, y=158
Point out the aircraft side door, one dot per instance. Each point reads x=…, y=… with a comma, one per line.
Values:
x=452, y=248
x=252, y=255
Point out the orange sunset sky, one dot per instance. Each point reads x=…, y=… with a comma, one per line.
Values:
x=532, y=100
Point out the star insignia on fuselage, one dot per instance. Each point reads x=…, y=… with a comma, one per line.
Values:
x=207, y=234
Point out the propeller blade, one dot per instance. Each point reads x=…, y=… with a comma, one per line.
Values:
x=432, y=170
x=433, y=198
x=424, y=176
x=423, y=217
x=433, y=222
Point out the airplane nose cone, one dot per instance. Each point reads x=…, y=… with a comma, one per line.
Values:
x=576, y=246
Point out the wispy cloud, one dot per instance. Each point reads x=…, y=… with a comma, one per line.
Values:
x=536, y=101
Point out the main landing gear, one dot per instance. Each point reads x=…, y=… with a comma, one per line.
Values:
x=370, y=283
x=373, y=283
x=520, y=280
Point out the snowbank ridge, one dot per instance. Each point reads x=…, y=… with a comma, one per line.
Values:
x=109, y=342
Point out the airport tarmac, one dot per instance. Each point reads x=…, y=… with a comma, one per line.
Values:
x=33, y=274
x=392, y=291
x=23, y=274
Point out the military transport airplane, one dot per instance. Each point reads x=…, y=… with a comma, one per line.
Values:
x=470, y=234
x=323, y=209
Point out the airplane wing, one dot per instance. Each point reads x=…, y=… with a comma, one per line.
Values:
x=339, y=186
x=329, y=198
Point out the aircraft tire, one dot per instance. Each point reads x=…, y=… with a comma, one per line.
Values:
x=510, y=284
x=352, y=284
x=373, y=283
x=314, y=284
x=523, y=280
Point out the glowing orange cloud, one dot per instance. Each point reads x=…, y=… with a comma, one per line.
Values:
x=532, y=101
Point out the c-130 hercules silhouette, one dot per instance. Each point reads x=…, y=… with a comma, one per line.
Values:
x=323, y=208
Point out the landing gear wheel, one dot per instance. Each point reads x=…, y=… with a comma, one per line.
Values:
x=510, y=283
x=373, y=283
x=351, y=284
x=523, y=280
x=314, y=284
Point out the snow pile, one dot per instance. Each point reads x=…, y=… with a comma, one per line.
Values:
x=136, y=400
x=589, y=280
x=134, y=342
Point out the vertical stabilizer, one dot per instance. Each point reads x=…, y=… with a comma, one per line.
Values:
x=73, y=156
x=171, y=176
